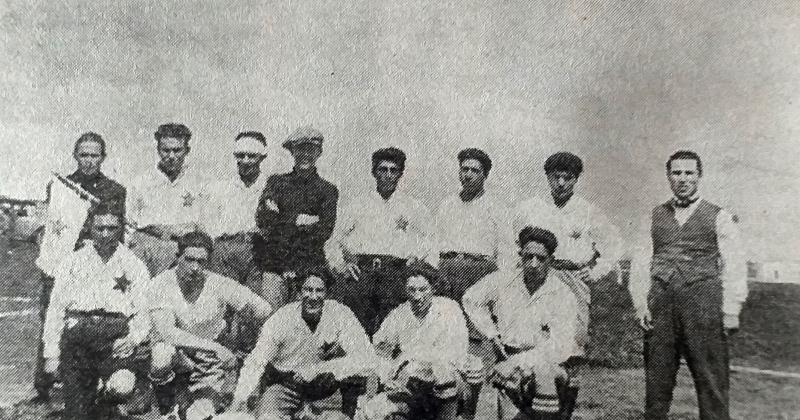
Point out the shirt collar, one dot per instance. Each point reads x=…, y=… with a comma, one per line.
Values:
x=677, y=203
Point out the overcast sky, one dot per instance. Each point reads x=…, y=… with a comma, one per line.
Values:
x=621, y=83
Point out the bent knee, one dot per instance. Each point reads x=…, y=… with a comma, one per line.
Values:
x=121, y=384
x=161, y=356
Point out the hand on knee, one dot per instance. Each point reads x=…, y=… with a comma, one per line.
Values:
x=162, y=356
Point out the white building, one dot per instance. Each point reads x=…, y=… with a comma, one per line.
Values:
x=779, y=272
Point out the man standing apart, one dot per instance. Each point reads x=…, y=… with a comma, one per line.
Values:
x=589, y=245
x=89, y=153
x=307, y=349
x=379, y=237
x=689, y=303
x=167, y=201
x=189, y=364
x=532, y=319
x=296, y=215
x=97, y=317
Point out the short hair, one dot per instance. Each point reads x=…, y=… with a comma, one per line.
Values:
x=195, y=239
x=563, y=161
x=430, y=273
x=540, y=235
x=316, y=271
x=106, y=209
x=688, y=155
x=477, y=154
x=391, y=154
x=173, y=130
x=90, y=136
x=252, y=134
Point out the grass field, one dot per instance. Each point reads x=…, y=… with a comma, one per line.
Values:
x=613, y=387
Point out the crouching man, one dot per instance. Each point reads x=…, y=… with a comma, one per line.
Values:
x=423, y=346
x=532, y=319
x=189, y=366
x=96, y=320
x=306, y=354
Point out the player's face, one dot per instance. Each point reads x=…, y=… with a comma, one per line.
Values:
x=248, y=163
x=192, y=262
x=305, y=155
x=471, y=175
x=172, y=152
x=312, y=295
x=387, y=174
x=420, y=294
x=106, y=232
x=684, y=177
x=562, y=183
x=89, y=156
x=535, y=260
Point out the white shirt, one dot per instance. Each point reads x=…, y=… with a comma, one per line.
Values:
x=400, y=226
x=204, y=317
x=155, y=200
x=83, y=282
x=232, y=207
x=734, y=265
x=288, y=343
x=580, y=228
x=479, y=226
x=546, y=321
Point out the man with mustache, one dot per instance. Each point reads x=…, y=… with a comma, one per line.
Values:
x=189, y=364
x=168, y=201
x=689, y=302
x=308, y=349
x=532, y=319
x=96, y=319
x=296, y=215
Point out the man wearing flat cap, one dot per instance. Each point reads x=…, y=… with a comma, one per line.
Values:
x=296, y=215
x=166, y=201
x=532, y=318
x=378, y=238
x=589, y=245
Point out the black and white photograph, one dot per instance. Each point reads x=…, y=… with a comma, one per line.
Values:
x=399, y=210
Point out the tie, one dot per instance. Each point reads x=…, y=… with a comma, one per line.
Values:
x=682, y=204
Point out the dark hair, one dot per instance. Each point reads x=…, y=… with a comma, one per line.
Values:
x=252, y=134
x=477, y=154
x=392, y=154
x=430, y=273
x=537, y=234
x=686, y=154
x=90, y=136
x=173, y=130
x=195, y=239
x=563, y=161
x=105, y=209
x=318, y=271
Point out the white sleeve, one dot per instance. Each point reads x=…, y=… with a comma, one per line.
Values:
x=639, y=278
x=60, y=297
x=734, y=268
x=608, y=242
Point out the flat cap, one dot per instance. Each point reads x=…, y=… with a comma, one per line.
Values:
x=305, y=134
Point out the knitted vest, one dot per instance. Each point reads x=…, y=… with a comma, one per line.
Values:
x=685, y=253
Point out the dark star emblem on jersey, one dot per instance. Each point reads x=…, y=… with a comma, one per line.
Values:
x=188, y=199
x=121, y=283
x=402, y=223
x=575, y=234
x=57, y=227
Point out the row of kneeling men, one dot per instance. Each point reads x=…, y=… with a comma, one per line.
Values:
x=114, y=334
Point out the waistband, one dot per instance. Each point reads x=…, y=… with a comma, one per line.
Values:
x=239, y=236
x=466, y=256
x=378, y=261
x=96, y=314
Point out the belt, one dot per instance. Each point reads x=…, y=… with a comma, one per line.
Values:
x=465, y=256
x=378, y=261
x=246, y=236
x=96, y=314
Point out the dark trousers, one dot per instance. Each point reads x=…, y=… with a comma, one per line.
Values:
x=687, y=321
x=86, y=350
x=459, y=274
x=379, y=289
x=42, y=381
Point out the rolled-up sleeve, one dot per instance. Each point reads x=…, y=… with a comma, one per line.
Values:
x=476, y=303
x=734, y=266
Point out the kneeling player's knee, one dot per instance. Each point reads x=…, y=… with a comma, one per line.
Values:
x=161, y=357
x=200, y=409
x=120, y=384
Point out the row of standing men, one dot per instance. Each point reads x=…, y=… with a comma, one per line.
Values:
x=381, y=239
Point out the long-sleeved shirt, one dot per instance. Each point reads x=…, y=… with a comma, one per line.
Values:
x=734, y=268
x=580, y=228
x=205, y=317
x=440, y=337
x=155, y=200
x=400, y=226
x=287, y=342
x=546, y=321
x=479, y=226
x=233, y=205
x=83, y=282
x=286, y=243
